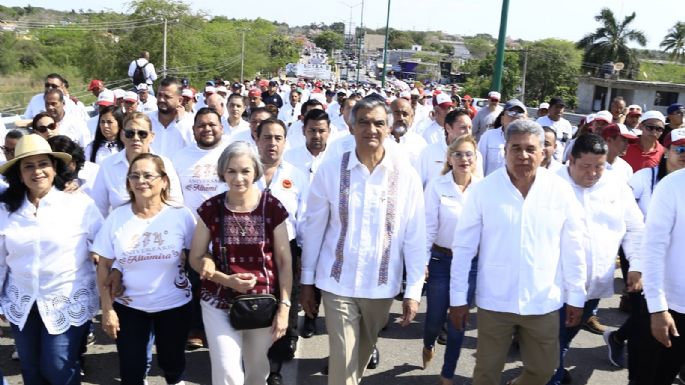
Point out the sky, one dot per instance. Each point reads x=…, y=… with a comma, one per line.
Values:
x=528, y=19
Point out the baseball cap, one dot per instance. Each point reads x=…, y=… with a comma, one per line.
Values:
x=634, y=108
x=95, y=83
x=544, y=106
x=119, y=93
x=236, y=85
x=222, y=89
x=210, y=90
x=674, y=108
x=130, y=96
x=494, y=95
x=557, y=101
x=604, y=116
x=273, y=83
x=263, y=83
x=443, y=100
x=589, y=118
x=514, y=103
x=675, y=137
x=653, y=114
x=141, y=87
x=105, y=98
x=254, y=92
x=614, y=129
x=467, y=97
x=188, y=93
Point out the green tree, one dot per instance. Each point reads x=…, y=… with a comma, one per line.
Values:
x=329, y=40
x=610, y=41
x=479, y=46
x=552, y=70
x=338, y=27
x=399, y=39
x=480, y=73
x=674, y=41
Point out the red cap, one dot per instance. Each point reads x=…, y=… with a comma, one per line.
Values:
x=95, y=84
x=263, y=83
x=675, y=137
x=613, y=130
x=254, y=92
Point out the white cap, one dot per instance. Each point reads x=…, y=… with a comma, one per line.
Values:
x=442, y=98
x=187, y=92
x=605, y=116
x=634, y=107
x=405, y=95
x=130, y=96
x=544, y=105
x=222, y=89
x=141, y=87
x=119, y=93
x=105, y=98
x=210, y=90
x=653, y=114
x=495, y=95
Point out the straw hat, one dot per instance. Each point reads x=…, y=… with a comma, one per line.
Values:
x=29, y=145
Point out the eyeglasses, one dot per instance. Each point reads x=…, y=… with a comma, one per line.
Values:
x=44, y=129
x=515, y=114
x=130, y=134
x=678, y=150
x=133, y=177
x=50, y=85
x=653, y=127
x=466, y=154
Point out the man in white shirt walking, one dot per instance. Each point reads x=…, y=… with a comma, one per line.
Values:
x=364, y=223
x=612, y=219
x=69, y=124
x=485, y=118
x=618, y=137
x=149, y=73
x=172, y=133
x=525, y=225
x=555, y=119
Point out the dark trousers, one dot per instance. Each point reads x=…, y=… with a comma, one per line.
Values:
x=170, y=329
x=282, y=350
x=660, y=364
x=48, y=358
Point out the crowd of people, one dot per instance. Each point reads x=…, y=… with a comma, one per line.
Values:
x=209, y=219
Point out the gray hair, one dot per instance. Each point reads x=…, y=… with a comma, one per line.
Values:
x=525, y=126
x=239, y=148
x=369, y=103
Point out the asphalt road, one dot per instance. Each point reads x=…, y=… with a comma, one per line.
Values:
x=400, y=357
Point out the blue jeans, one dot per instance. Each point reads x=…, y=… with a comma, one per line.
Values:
x=170, y=333
x=438, y=300
x=48, y=358
x=566, y=335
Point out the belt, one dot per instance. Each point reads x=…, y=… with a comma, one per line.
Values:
x=441, y=249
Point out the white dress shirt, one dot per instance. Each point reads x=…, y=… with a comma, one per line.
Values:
x=663, y=245
x=37, y=105
x=44, y=259
x=366, y=259
x=530, y=250
x=304, y=160
x=564, y=131
x=172, y=138
x=149, y=105
x=643, y=183
x=289, y=114
x=620, y=168
x=196, y=170
x=231, y=133
x=412, y=145
x=484, y=121
x=103, y=152
x=75, y=128
x=444, y=203
x=434, y=133
x=612, y=219
x=289, y=185
x=491, y=145
x=109, y=189
x=433, y=159
x=148, y=70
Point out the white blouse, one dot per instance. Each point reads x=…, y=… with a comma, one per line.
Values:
x=44, y=259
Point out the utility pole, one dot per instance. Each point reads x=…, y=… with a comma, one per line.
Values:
x=164, y=50
x=523, y=81
x=361, y=33
x=242, y=57
x=385, y=47
x=499, y=62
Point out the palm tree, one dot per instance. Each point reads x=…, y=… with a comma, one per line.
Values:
x=610, y=42
x=675, y=41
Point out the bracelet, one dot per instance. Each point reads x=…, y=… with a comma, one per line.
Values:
x=285, y=302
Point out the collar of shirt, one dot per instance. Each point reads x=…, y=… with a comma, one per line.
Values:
x=385, y=163
x=29, y=210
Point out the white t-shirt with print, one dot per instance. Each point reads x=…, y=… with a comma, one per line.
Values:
x=149, y=254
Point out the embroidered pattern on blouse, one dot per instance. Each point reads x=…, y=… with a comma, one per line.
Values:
x=389, y=226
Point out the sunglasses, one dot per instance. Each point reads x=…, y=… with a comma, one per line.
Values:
x=653, y=127
x=145, y=177
x=130, y=134
x=44, y=129
x=515, y=114
x=50, y=85
x=678, y=150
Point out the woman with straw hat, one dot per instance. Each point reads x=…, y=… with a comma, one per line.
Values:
x=47, y=278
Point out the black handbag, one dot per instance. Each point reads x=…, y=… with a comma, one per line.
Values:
x=248, y=311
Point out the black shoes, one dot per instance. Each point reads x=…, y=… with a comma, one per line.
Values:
x=309, y=327
x=375, y=359
x=274, y=379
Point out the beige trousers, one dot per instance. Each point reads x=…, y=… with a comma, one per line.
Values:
x=353, y=325
x=538, y=340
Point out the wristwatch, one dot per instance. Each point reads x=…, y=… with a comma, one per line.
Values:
x=285, y=302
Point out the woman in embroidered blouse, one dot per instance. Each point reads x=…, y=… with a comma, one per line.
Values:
x=107, y=141
x=146, y=239
x=256, y=252
x=444, y=197
x=46, y=274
